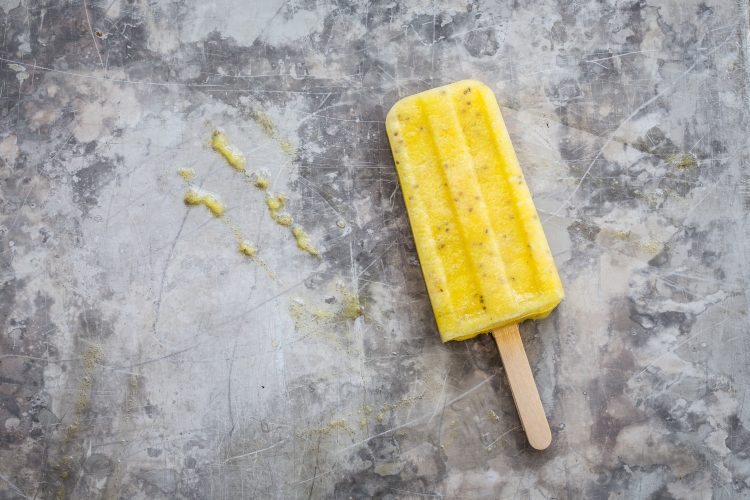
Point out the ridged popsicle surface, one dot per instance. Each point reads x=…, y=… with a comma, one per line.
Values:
x=481, y=246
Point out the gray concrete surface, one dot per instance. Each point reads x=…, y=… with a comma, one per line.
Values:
x=142, y=356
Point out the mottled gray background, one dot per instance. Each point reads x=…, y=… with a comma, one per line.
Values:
x=141, y=356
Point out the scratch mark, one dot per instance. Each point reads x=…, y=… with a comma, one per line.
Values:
x=91, y=30
x=418, y=419
x=692, y=337
x=441, y=398
x=431, y=495
x=614, y=56
x=260, y=304
x=632, y=115
x=14, y=487
x=107, y=79
x=229, y=390
x=398, y=427
x=153, y=360
x=315, y=471
x=503, y=435
x=250, y=454
x=155, y=324
x=378, y=258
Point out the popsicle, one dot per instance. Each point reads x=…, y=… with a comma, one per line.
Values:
x=481, y=246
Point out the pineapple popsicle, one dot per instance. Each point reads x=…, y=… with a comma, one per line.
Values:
x=481, y=246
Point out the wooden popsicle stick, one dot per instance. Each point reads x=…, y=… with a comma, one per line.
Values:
x=523, y=387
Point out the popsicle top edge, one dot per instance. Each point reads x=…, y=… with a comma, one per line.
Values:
x=392, y=118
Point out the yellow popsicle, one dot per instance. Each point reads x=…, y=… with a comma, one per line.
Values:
x=481, y=245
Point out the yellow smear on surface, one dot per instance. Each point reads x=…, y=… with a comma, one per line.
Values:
x=652, y=247
x=390, y=407
x=220, y=143
x=387, y=469
x=329, y=320
x=187, y=174
x=195, y=197
x=682, y=160
x=91, y=357
x=619, y=233
x=297, y=312
x=328, y=429
x=283, y=219
x=632, y=244
x=303, y=241
x=341, y=224
x=275, y=204
x=287, y=147
x=262, y=182
x=247, y=249
x=313, y=322
x=363, y=417
x=351, y=308
x=271, y=131
x=131, y=402
x=322, y=314
x=265, y=122
x=64, y=467
x=238, y=236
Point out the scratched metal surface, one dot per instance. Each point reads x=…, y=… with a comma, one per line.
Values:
x=143, y=357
